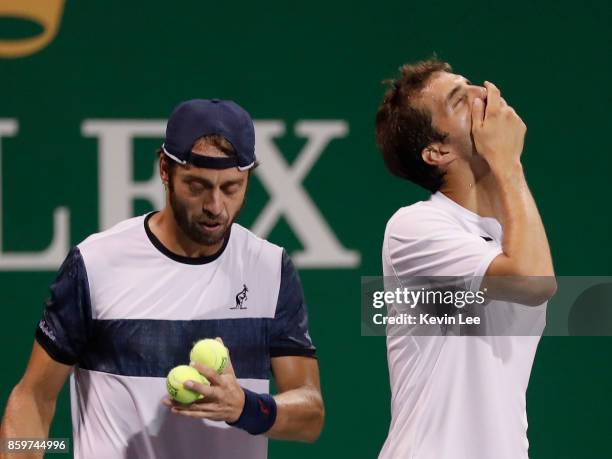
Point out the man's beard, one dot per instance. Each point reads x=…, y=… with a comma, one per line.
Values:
x=192, y=229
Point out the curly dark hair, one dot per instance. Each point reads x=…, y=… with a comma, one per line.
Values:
x=403, y=129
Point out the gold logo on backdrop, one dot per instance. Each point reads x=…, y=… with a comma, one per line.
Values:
x=47, y=13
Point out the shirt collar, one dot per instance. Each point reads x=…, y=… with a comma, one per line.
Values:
x=440, y=200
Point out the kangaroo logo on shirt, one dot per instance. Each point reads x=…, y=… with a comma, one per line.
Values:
x=241, y=297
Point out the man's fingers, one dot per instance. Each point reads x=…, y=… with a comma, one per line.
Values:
x=229, y=368
x=199, y=410
x=171, y=403
x=189, y=414
x=207, y=391
x=194, y=408
x=493, y=98
x=492, y=90
x=212, y=415
x=207, y=372
x=477, y=113
x=209, y=396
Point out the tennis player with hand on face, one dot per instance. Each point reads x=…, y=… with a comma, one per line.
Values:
x=462, y=397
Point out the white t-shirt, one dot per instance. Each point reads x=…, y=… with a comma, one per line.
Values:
x=124, y=310
x=456, y=397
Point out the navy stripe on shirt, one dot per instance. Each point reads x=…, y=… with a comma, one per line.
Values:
x=142, y=347
x=153, y=347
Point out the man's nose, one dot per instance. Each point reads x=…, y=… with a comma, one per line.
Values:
x=478, y=92
x=213, y=203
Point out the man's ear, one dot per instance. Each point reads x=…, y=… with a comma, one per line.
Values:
x=163, y=169
x=437, y=154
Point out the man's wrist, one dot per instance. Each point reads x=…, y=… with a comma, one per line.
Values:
x=258, y=414
x=507, y=172
x=239, y=408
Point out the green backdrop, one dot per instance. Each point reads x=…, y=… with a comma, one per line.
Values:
x=322, y=60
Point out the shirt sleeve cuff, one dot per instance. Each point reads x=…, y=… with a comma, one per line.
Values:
x=476, y=280
x=50, y=348
x=292, y=351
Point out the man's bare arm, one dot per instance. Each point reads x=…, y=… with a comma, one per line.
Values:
x=300, y=410
x=499, y=135
x=31, y=405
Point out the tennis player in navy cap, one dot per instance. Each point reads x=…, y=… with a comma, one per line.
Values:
x=128, y=303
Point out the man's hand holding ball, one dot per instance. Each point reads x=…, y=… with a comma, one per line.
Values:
x=222, y=400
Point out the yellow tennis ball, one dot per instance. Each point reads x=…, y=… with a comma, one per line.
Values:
x=211, y=353
x=176, y=378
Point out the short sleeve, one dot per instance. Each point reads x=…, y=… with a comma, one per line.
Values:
x=66, y=320
x=289, y=330
x=433, y=243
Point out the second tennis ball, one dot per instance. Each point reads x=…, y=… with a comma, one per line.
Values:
x=211, y=353
x=176, y=378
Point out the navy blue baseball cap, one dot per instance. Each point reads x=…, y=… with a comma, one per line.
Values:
x=196, y=118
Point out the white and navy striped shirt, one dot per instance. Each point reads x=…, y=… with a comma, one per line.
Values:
x=125, y=310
